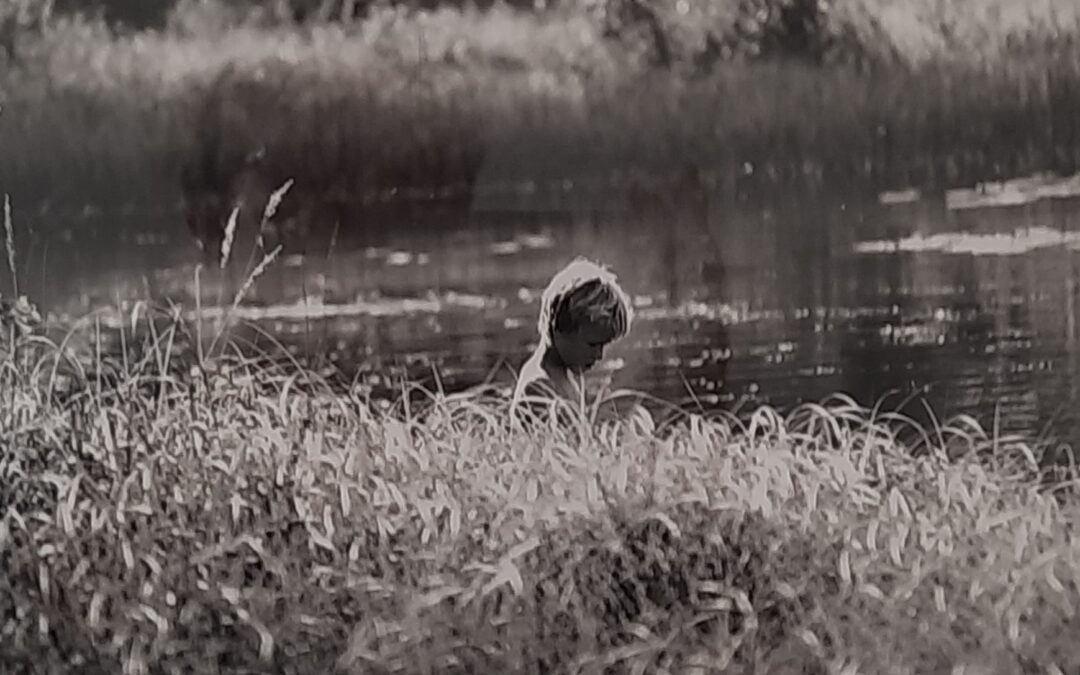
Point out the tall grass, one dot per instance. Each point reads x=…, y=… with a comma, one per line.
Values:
x=249, y=518
x=534, y=100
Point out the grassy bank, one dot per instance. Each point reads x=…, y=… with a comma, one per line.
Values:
x=933, y=95
x=239, y=517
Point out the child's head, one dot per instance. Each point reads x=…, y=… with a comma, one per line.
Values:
x=583, y=310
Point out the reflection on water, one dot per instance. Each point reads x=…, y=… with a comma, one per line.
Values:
x=968, y=297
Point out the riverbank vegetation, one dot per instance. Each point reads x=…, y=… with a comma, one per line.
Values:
x=231, y=98
x=237, y=514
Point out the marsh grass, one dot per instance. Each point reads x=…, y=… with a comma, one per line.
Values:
x=537, y=100
x=247, y=514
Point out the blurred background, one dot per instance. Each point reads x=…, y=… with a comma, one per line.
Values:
x=875, y=197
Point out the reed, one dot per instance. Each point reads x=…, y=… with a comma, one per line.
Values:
x=254, y=516
x=440, y=100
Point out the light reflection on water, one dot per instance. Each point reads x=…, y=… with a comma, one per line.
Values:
x=973, y=301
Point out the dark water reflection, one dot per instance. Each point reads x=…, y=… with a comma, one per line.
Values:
x=783, y=301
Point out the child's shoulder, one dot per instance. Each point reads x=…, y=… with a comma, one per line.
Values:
x=533, y=380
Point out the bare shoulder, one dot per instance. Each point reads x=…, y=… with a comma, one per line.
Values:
x=533, y=381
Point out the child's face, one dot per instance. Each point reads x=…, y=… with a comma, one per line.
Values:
x=582, y=348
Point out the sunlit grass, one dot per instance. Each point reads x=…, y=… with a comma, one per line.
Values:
x=242, y=514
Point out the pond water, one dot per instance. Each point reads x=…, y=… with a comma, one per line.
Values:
x=967, y=299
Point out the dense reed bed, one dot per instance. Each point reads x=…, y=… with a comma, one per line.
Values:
x=237, y=514
x=928, y=95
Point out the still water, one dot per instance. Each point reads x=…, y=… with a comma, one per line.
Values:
x=968, y=298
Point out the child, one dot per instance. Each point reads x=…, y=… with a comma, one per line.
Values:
x=582, y=310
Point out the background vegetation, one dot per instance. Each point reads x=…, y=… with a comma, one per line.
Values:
x=354, y=99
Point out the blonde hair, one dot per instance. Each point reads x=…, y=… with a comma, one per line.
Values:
x=583, y=290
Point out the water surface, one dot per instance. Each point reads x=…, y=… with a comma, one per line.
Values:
x=968, y=298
